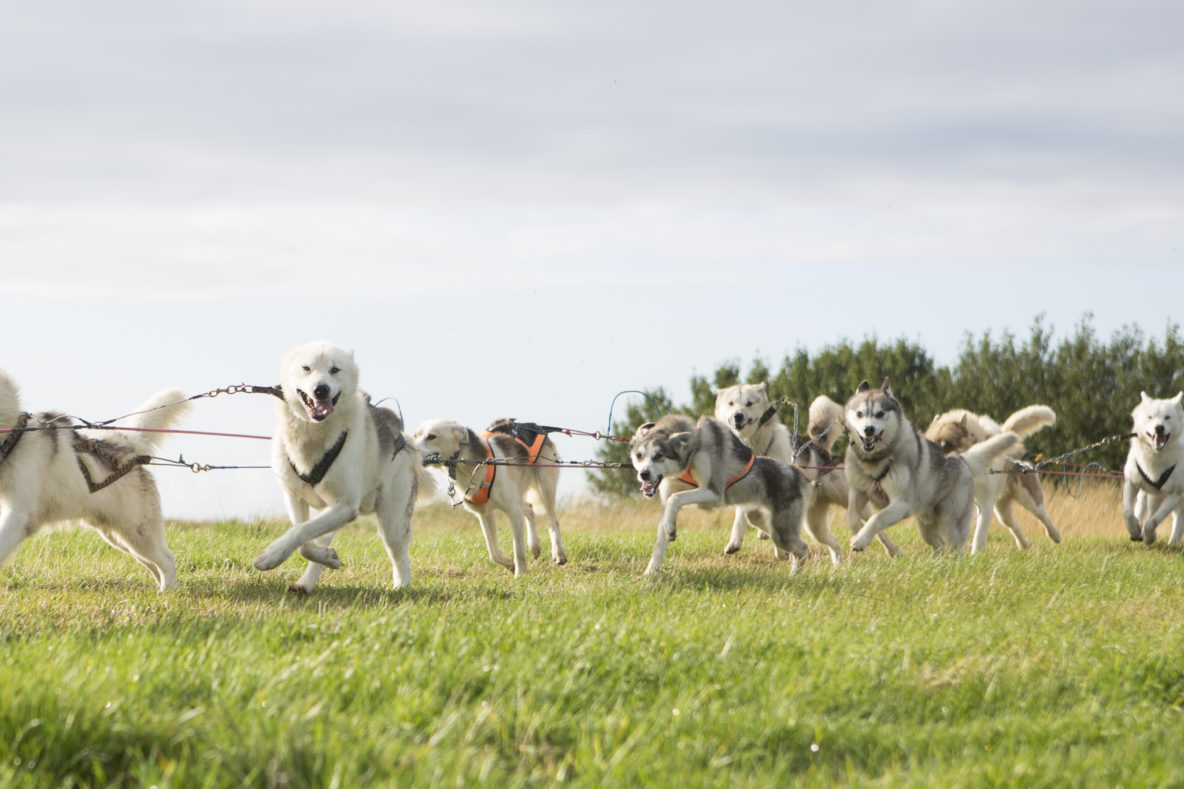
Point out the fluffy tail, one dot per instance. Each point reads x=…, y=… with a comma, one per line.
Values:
x=425, y=481
x=825, y=416
x=980, y=456
x=1027, y=421
x=161, y=412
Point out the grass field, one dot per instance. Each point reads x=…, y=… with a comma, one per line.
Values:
x=1061, y=666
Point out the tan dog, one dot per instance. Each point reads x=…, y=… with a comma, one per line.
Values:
x=958, y=431
x=519, y=490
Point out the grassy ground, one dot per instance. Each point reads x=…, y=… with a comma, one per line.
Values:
x=1055, y=667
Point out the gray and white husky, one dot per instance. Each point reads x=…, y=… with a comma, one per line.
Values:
x=50, y=472
x=902, y=473
x=1153, y=471
x=335, y=453
x=747, y=410
x=707, y=464
x=959, y=430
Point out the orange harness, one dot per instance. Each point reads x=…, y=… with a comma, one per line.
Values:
x=689, y=478
x=486, y=484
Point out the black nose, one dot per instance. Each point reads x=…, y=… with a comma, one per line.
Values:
x=869, y=431
x=321, y=392
x=644, y=476
x=739, y=419
x=1159, y=430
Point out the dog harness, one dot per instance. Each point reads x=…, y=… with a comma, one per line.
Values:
x=109, y=459
x=10, y=441
x=529, y=435
x=318, y=472
x=1157, y=484
x=483, y=489
x=689, y=478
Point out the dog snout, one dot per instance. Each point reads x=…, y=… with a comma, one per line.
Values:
x=644, y=475
x=869, y=431
x=321, y=392
x=739, y=420
x=1159, y=430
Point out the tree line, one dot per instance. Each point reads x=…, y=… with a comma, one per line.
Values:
x=1091, y=383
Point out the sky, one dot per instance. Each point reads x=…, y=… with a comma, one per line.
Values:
x=523, y=208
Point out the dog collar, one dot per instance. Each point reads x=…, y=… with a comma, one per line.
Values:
x=1159, y=483
x=884, y=473
x=10, y=441
x=319, y=471
x=689, y=478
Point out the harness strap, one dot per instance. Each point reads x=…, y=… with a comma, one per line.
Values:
x=10, y=441
x=689, y=478
x=482, y=495
x=532, y=449
x=1157, y=484
x=118, y=470
x=318, y=472
x=883, y=473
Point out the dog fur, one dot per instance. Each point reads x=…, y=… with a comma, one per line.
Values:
x=773, y=496
x=327, y=428
x=520, y=491
x=41, y=482
x=743, y=408
x=1153, y=468
x=901, y=473
x=959, y=430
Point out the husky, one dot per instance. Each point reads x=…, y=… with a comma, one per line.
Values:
x=747, y=410
x=707, y=464
x=1157, y=449
x=902, y=473
x=518, y=488
x=50, y=471
x=959, y=430
x=336, y=453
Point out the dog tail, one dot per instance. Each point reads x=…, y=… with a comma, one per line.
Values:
x=1027, y=421
x=826, y=417
x=980, y=456
x=425, y=483
x=159, y=413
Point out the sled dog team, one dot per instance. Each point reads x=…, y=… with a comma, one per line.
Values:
x=337, y=456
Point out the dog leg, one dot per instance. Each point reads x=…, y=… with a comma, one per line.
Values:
x=893, y=513
x=817, y=527
x=532, y=532
x=394, y=526
x=329, y=520
x=489, y=531
x=1177, y=528
x=517, y=520
x=312, y=573
x=147, y=546
x=1166, y=506
x=659, y=553
x=1007, y=518
x=557, y=553
x=738, y=526
x=1129, y=492
x=785, y=532
x=14, y=524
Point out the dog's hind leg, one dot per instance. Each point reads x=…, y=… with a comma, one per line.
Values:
x=532, y=533
x=14, y=524
x=489, y=531
x=312, y=573
x=785, y=530
x=1007, y=518
x=817, y=527
x=145, y=542
x=1031, y=497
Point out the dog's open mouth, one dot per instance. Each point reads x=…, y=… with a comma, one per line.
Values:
x=650, y=486
x=318, y=409
x=870, y=442
x=1159, y=439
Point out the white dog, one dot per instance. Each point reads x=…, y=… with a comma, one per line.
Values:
x=50, y=472
x=519, y=489
x=959, y=430
x=1152, y=467
x=336, y=453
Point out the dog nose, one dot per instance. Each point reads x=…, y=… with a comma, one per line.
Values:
x=644, y=475
x=739, y=420
x=869, y=431
x=321, y=392
x=1159, y=430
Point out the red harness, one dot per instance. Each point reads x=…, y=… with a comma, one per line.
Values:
x=482, y=495
x=689, y=478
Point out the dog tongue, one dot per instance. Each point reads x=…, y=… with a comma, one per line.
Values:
x=1161, y=440
x=648, y=488
x=322, y=408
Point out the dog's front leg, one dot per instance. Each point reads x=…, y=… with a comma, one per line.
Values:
x=14, y=524
x=667, y=524
x=856, y=505
x=1129, y=493
x=489, y=531
x=893, y=513
x=738, y=527
x=330, y=519
x=1166, y=506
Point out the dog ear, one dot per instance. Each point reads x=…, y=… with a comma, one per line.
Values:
x=863, y=386
x=1143, y=398
x=763, y=387
x=886, y=387
x=1179, y=396
x=647, y=427
x=682, y=444
x=963, y=422
x=458, y=432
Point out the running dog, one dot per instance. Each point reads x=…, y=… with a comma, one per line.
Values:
x=958, y=431
x=511, y=483
x=1157, y=449
x=902, y=473
x=747, y=410
x=50, y=471
x=707, y=464
x=336, y=453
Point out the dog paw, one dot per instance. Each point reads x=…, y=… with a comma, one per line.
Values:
x=858, y=545
x=1136, y=538
x=730, y=549
x=298, y=588
x=321, y=554
x=269, y=559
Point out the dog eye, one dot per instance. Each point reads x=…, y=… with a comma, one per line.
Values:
x=430, y=437
x=306, y=369
x=746, y=405
x=879, y=415
x=334, y=370
x=658, y=456
x=859, y=415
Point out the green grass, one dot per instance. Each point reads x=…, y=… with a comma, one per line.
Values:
x=1056, y=667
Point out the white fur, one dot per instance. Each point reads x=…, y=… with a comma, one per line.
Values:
x=321, y=399
x=1158, y=445
x=40, y=483
x=518, y=491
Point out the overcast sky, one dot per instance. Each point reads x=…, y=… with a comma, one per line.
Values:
x=522, y=208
